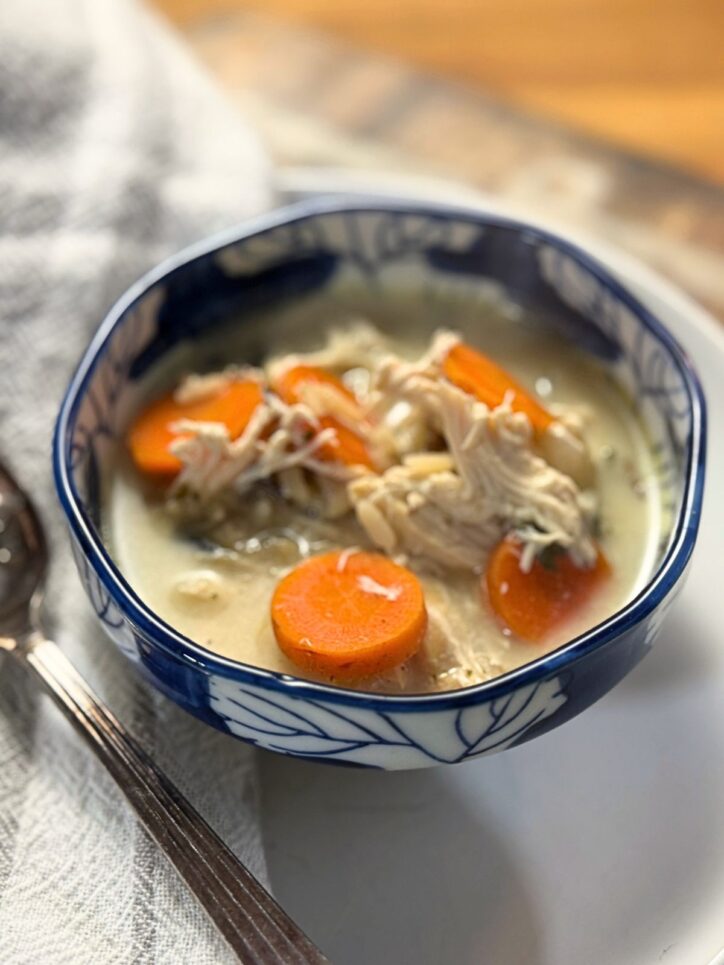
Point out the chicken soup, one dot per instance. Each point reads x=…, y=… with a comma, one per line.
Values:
x=395, y=508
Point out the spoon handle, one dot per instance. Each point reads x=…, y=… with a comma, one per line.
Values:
x=252, y=923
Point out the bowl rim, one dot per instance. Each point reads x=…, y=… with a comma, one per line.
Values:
x=163, y=635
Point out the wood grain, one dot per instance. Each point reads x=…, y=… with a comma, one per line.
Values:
x=317, y=101
x=645, y=74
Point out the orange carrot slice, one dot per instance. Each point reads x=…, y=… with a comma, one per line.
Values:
x=347, y=447
x=475, y=373
x=349, y=615
x=534, y=603
x=150, y=436
x=289, y=384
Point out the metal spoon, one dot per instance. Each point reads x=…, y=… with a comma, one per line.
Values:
x=252, y=923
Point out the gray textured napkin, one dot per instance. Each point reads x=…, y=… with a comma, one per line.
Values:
x=115, y=150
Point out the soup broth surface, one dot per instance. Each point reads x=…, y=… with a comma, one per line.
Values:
x=217, y=590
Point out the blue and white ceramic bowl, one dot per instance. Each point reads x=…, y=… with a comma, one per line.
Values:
x=286, y=256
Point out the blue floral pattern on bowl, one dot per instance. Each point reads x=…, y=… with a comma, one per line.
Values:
x=306, y=249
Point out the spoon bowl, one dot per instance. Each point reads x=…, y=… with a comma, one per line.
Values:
x=23, y=557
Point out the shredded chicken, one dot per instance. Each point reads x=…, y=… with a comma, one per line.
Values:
x=344, y=557
x=394, y=375
x=197, y=388
x=368, y=585
x=326, y=400
x=354, y=351
x=453, y=658
x=458, y=476
x=278, y=438
x=497, y=484
x=561, y=444
x=404, y=423
x=357, y=345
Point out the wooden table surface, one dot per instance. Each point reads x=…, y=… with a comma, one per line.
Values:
x=645, y=74
x=318, y=101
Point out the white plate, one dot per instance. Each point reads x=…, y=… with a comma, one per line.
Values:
x=601, y=842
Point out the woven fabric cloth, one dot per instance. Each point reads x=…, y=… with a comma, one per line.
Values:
x=115, y=150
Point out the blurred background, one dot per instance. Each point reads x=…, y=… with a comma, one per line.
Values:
x=647, y=75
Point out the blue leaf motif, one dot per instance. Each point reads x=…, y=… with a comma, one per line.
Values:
x=249, y=707
x=500, y=723
x=433, y=733
x=644, y=368
x=357, y=734
x=280, y=721
x=354, y=723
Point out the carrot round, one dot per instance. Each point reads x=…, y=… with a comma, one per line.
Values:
x=347, y=447
x=348, y=615
x=289, y=383
x=150, y=435
x=532, y=604
x=478, y=375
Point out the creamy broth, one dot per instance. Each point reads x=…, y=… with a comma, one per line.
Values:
x=218, y=593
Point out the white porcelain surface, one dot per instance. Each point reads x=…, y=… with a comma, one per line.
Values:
x=601, y=842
